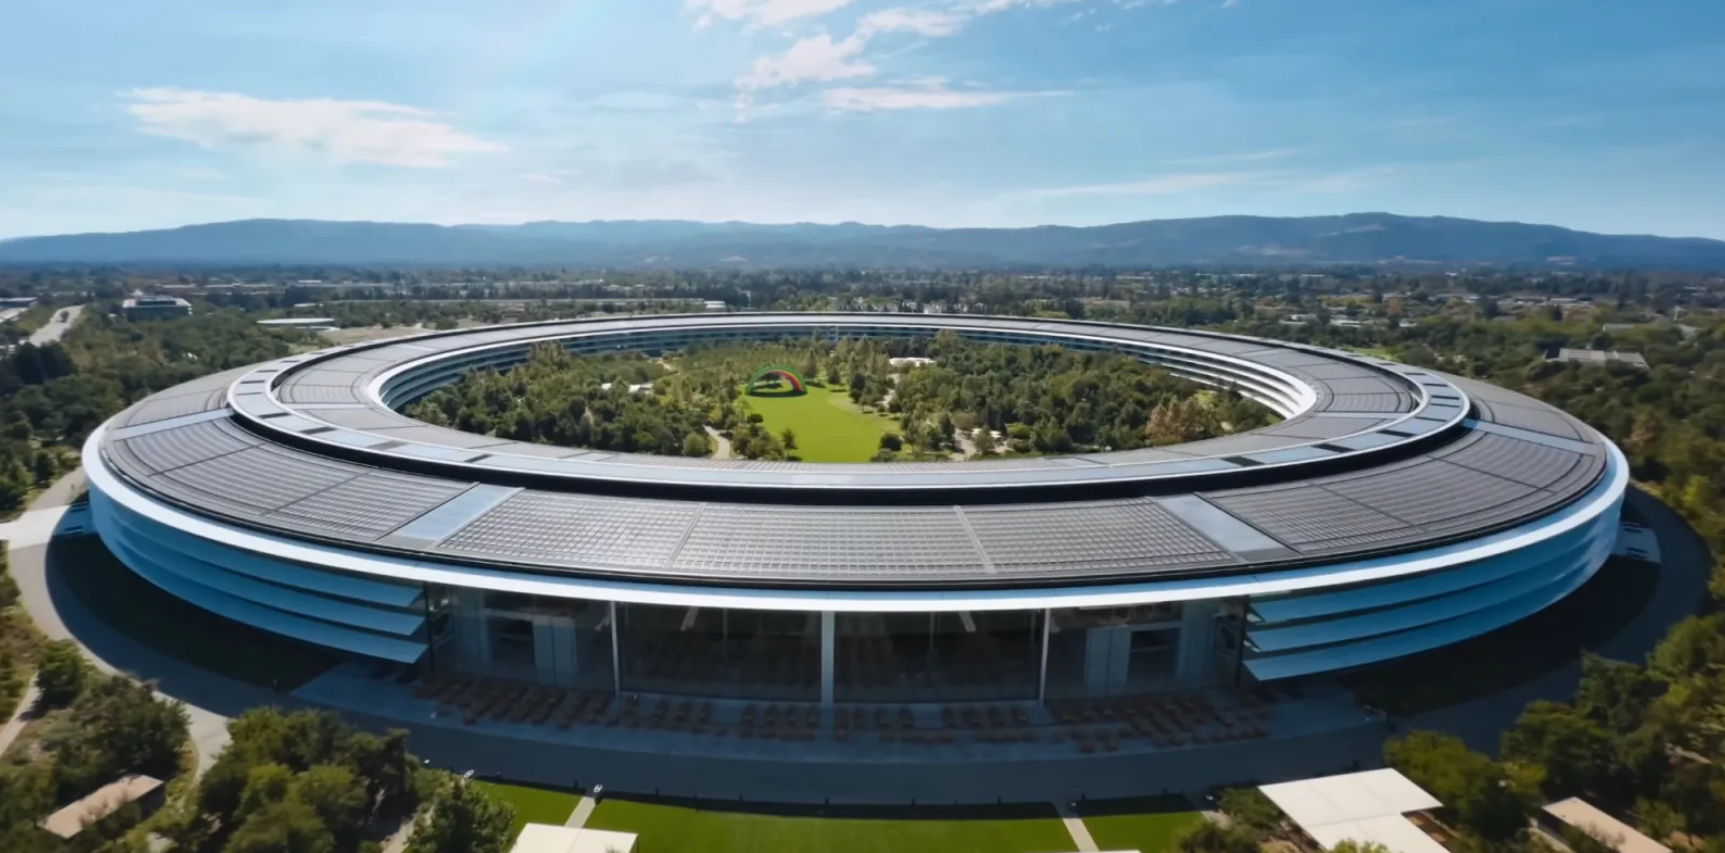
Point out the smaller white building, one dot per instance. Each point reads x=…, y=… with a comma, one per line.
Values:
x=545, y=838
x=1362, y=807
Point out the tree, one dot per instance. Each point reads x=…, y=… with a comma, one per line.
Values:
x=1348, y=845
x=282, y=827
x=696, y=444
x=788, y=437
x=1249, y=807
x=1615, y=694
x=1472, y=785
x=1210, y=837
x=61, y=673
x=463, y=819
x=891, y=442
x=390, y=771
x=117, y=726
x=1575, y=751
x=337, y=797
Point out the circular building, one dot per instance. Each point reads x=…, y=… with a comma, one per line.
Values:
x=1392, y=511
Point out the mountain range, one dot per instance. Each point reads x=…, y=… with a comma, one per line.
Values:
x=1221, y=240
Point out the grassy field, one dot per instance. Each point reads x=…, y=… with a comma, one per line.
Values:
x=674, y=828
x=136, y=608
x=1148, y=825
x=829, y=427
x=1515, y=654
x=533, y=805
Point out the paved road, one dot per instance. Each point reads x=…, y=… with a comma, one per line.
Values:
x=55, y=328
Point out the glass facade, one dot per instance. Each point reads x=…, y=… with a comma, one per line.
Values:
x=560, y=641
x=1123, y=651
x=936, y=657
x=737, y=654
x=875, y=657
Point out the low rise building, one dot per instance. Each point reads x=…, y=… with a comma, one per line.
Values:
x=1602, y=357
x=155, y=307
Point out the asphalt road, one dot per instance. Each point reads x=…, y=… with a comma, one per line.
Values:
x=55, y=328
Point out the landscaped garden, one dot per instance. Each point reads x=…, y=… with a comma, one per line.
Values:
x=853, y=400
x=681, y=827
x=532, y=805
x=1149, y=824
x=826, y=425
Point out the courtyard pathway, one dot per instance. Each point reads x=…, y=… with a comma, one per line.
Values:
x=1075, y=827
x=15, y=726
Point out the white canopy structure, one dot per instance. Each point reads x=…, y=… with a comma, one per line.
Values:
x=1368, y=807
x=545, y=838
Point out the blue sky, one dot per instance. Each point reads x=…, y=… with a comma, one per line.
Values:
x=1595, y=114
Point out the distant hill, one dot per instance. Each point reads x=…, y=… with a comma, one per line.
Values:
x=1232, y=240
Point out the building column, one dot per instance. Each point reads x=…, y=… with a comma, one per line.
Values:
x=829, y=624
x=1042, y=669
x=616, y=654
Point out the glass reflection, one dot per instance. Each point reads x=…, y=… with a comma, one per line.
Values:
x=741, y=654
x=936, y=657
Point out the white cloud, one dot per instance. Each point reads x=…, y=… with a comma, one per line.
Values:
x=985, y=7
x=815, y=58
x=1248, y=157
x=539, y=178
x=926, y=22
x=762, y=12
x=339, y=131
x=1160, y=185
x=928, y=95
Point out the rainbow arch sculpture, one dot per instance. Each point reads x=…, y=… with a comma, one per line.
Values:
x=784, y=373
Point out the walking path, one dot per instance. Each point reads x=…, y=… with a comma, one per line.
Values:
x=14, y=726
x=583, y=810
x=721, y=444
x=1076, y=828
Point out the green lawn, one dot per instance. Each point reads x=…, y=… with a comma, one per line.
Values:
x=533, y=805
x=667, y=828
x=829, y=427
x=1515, y=654
x=138, y=609
x=1147, y=825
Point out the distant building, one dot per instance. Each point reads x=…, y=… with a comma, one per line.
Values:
x=713, y=305
x=17, y=301
x=310, y=324
x=146, y=791
x=1602, y=357
x=155, y=307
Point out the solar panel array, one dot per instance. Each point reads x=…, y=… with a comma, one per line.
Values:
x=1523, y=460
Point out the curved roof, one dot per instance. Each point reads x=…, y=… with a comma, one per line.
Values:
x=1373, y=458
